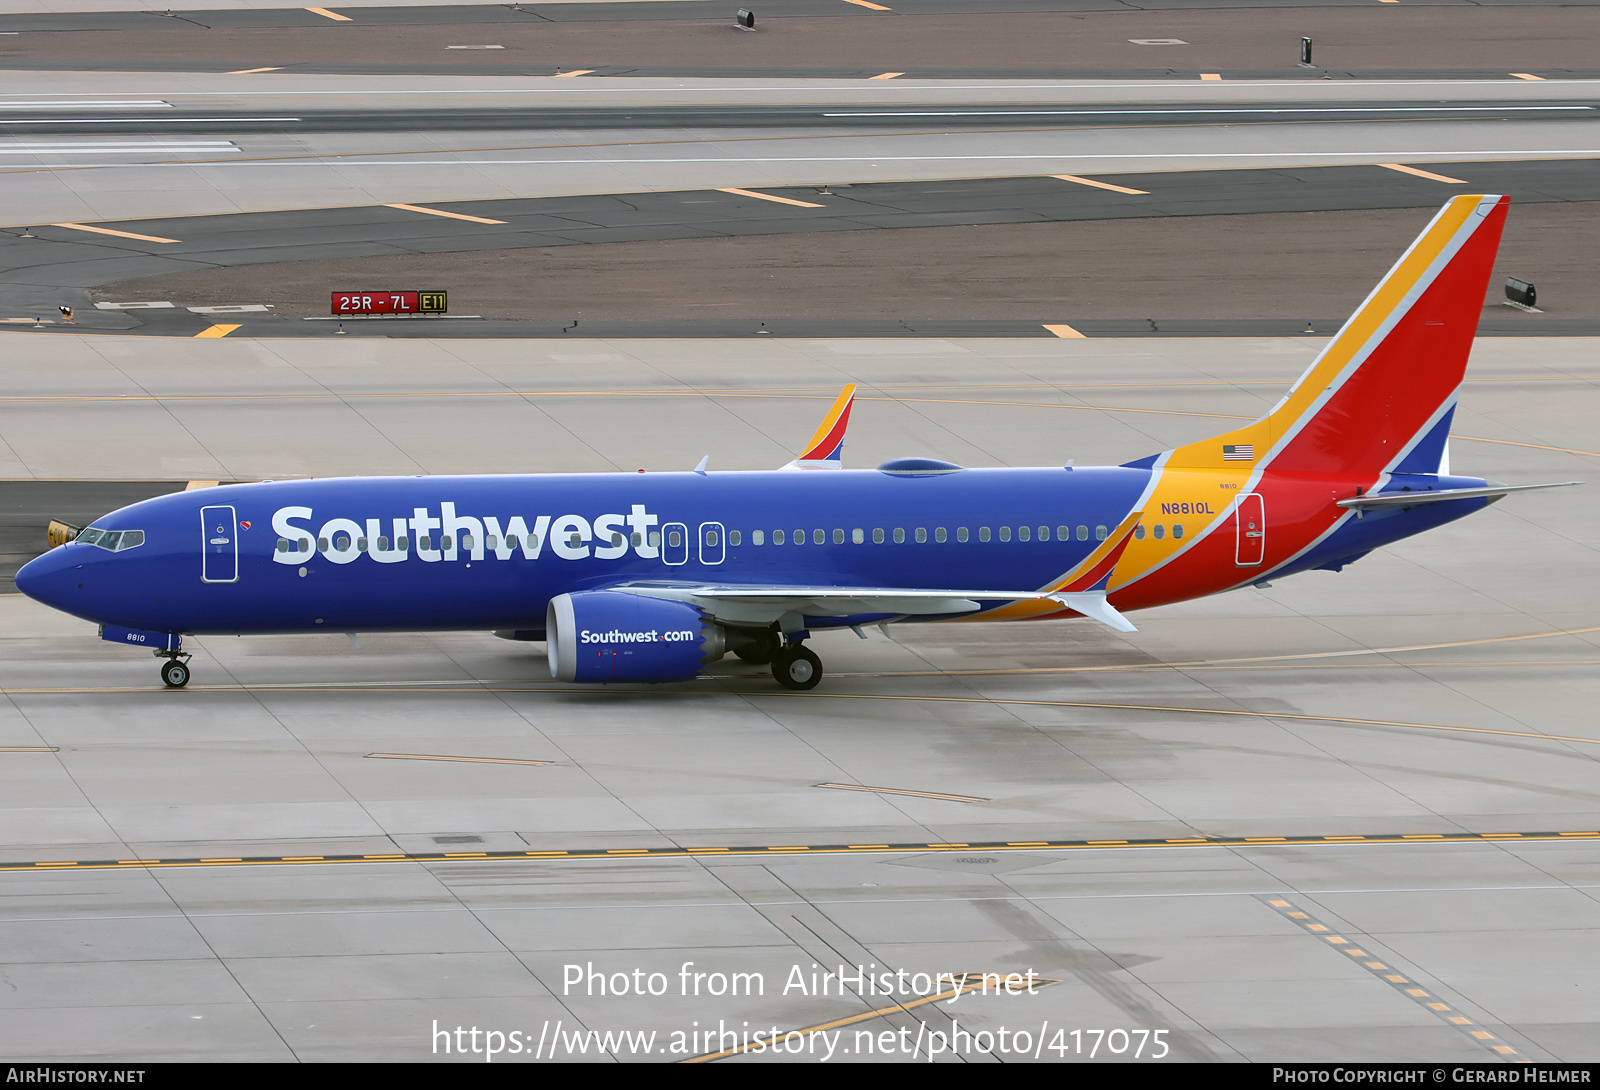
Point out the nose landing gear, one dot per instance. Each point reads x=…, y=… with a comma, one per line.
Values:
x=175, y=671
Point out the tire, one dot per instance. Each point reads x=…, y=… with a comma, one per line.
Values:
x=175, y=675
x=797, y=668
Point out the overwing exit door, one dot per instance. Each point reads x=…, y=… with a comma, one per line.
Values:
x=219, y=545
x=1250, y=531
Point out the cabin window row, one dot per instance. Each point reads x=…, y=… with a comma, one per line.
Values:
x=898, y=535
x=921, y=534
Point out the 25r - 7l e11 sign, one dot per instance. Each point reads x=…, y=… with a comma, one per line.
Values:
x=389, y=302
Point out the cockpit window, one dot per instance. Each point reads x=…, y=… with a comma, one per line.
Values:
x=115, y=541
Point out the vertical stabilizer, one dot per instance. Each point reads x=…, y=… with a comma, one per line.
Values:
x=1385, y=387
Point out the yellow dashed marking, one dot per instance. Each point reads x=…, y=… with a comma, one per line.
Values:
x=1378, y=968
x=1065, y=332
x=574, y=72
x=253, y=71
x=1211, y=75
x=769, y=197
x=217, y=331
x=868, y=4
x=441, y=212
x=1101, y=185
x=1528, y=75
x=887, y=75
x=326, y=14
x=1403, y=169
x=464, y=760
x=118, y=234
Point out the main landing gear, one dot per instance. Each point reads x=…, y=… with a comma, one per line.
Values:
x=175, y=671
x=796, y=667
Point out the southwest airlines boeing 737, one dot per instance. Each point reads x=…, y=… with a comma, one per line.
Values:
x=648, y=577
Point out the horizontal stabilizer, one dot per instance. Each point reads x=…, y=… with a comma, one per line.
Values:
x=1381, y=500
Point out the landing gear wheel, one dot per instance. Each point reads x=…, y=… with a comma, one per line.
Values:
x=762, y=651
x=797, y=668
x=175, y=675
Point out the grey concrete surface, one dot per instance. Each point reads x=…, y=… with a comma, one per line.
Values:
x=1066, y=731
x=69, y=179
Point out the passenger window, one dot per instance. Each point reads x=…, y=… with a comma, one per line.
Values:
x=361, y=544
x=983, y=533
x=425, y=542
x=922, y=535
x=655, y=539
x=383, y=544
x=674, y=539
x=322, y=544
x=711, y=539
x=1023, y=533
x=634, y=537
x=574, y=540
x=511, y=541
x=491, y=542
x=734, y=537
x=757, y=537
x=1160, y=531
x=400, y=543
x=877, y=536
x=1063, y=533
x=1138, y=532
x=777, y=537
x=1044, y=533
x=1100, y=533
x=1177, y=530
x=283, y=544
x=939, y=535
x=899, y=535
x=838, y=537
x=961, y=534
x=446, y=544
x=799, y=537
x=819, y=537
x=616, y=540
x=1083, y=533
x=857, y=537
x=1005, y=533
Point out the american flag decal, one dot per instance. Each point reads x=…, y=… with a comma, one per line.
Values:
x=1240, y=452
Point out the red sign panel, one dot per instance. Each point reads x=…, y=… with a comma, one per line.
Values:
x=389, y=302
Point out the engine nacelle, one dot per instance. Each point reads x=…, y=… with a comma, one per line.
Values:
x=606, y=635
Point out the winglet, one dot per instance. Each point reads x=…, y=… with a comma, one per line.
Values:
x=826, y=447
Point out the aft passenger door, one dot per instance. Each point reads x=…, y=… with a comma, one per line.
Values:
x=1250, y=531
x=219, y=545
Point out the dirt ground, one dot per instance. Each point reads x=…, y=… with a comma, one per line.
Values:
x=1380, y=37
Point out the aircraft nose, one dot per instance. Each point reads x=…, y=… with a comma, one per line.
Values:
x=52, y=578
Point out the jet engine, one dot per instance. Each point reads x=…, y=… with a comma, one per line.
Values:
x=608, y=635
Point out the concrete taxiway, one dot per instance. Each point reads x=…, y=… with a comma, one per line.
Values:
x=912, y=814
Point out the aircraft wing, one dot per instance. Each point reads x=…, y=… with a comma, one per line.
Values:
x=764, y=604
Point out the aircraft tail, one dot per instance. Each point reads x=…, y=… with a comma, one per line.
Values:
x=1381, y=395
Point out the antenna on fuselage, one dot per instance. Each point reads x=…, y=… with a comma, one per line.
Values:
x=701, y=468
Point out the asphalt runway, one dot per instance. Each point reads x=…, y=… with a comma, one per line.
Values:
x=1247, y=247
x=954, y=800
